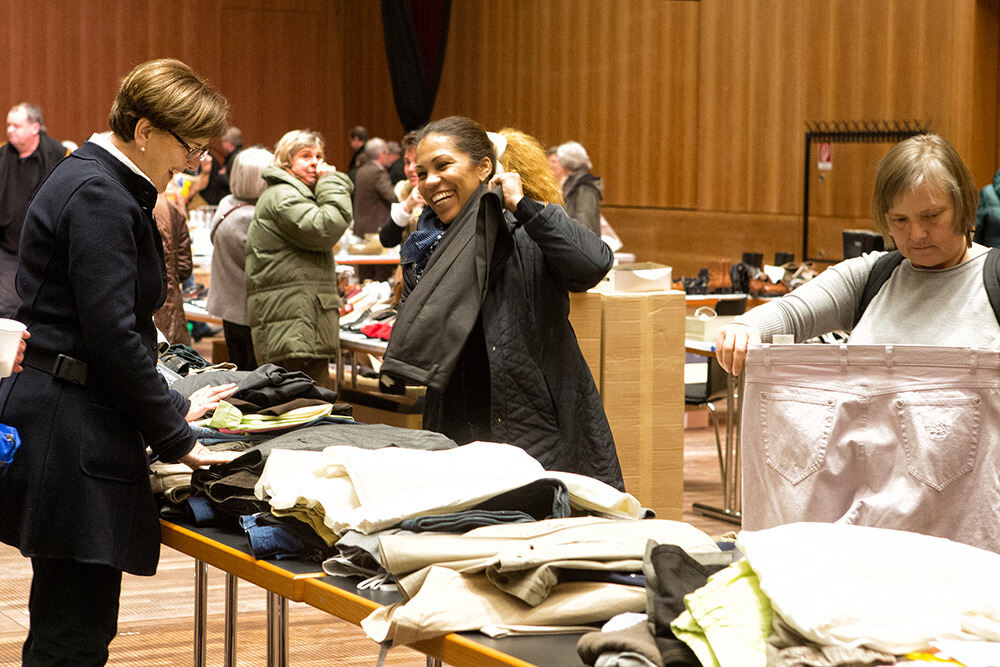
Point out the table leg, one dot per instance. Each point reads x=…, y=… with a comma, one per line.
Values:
x=277, y=630
x=229, y=658
x=433, y=662
x=340, y=370
x=200, y=611
x=732, y=505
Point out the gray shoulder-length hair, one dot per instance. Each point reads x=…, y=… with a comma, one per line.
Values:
x=573, y=156
x=245, y=181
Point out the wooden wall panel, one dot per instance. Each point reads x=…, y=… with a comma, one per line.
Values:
x=277, y=61
x=620, y=77
x=367, y=88
x=685, y=106
x=687, y=240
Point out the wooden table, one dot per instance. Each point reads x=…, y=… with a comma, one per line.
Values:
x=304, y=581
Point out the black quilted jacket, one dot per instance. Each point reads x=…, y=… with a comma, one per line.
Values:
x=520, y=377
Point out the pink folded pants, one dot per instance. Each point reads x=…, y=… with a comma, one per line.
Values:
x=904, y=437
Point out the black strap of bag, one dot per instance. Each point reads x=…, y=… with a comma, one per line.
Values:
x=886, y=264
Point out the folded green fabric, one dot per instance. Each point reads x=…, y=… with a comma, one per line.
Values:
x=728, y=620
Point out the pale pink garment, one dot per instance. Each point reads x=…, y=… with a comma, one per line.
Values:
x=904, y=437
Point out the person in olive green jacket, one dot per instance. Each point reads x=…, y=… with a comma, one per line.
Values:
x=292, y=296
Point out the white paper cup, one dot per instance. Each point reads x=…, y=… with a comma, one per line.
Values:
x=10, y=339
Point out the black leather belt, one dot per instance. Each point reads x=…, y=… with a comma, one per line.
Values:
x=60, y=365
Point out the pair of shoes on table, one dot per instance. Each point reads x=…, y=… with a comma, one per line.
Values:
x=697, y=285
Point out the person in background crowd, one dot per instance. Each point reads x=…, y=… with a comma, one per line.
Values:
x=227, y=297
x=76, y=499
x=403, y=214
x=171, y=220
x=518, y=374
x=213, y=181
x=358, y=135
x=582, y=191
x=557, y=169
x=924, y=204
x=987, y=230
x=25, y=160
x=232, y=144
x=395, y=168
x=292, y=295
x=373, y=193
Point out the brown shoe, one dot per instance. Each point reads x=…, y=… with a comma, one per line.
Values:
x=719, y=281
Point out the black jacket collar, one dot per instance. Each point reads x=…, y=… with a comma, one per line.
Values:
x=139, y=186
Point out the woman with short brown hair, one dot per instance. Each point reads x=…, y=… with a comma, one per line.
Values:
x=89, y=402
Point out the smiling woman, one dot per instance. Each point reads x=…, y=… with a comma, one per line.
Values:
x=76, y=500
x=484, y=321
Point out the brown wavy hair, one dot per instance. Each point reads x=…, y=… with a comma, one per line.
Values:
x=526, y=156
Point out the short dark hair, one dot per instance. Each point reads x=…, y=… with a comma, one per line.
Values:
x=410, y=139
x=359, y=132
x=170, y=96
x=468, y=135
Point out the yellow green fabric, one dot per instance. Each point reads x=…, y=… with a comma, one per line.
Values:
x=728, y=620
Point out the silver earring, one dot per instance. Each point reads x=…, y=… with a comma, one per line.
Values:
x=142, y=148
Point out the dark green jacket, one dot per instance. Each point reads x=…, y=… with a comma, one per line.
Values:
x=292, y=297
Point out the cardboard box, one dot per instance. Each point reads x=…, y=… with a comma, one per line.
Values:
x=641, y=277
x=704, y=329
x=641, y=380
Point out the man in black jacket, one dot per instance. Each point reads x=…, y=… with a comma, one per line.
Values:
x=25, y=160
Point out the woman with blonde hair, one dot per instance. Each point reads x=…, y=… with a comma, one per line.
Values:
x=292, y=297
x=89, y=402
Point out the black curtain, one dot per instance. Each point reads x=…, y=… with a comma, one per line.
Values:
x=416, y=32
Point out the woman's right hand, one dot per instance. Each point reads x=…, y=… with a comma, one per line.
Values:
x=201, y=456
x=323, y=168
x=731, y=346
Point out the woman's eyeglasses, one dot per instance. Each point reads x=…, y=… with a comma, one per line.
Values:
x=191, y=152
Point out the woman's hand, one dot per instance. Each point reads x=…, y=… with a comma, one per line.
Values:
x=731, y=346
x=322, y=169
x=207, y=398
x=413, y=201
x=21, y=347
x=510, y=181
x=201, y=456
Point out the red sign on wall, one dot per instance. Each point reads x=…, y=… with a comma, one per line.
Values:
x=824, y=156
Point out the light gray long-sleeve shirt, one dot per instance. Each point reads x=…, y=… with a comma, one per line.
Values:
x=915, y=306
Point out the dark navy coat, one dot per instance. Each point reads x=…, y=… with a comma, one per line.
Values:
x=91, y=274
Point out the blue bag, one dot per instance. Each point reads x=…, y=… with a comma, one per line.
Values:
x=9, y=442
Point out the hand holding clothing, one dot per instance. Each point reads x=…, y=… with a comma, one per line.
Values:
x=510, y=183
x=207, y=398
x=731, y=346
x=202, y=457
